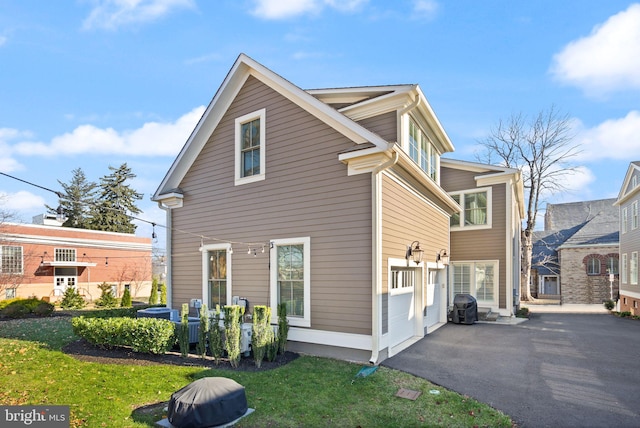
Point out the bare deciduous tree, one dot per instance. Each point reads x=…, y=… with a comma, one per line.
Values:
x=542, y=148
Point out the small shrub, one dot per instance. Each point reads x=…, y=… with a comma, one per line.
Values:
x=625, y=314
x=71, y=299
x=44, y=309
x=522, y=312
x=233, y=332
x=148, y=335
x=283, y=328
x=262, y=334
x=21, y=308
x=216, y=345
x=609, y=304
x=203, y=331
x=153, y=297
x=183, y=331
x=163, y=294
x=126, y=299
x=106, y=299
x=15, y=310
x=272, y=349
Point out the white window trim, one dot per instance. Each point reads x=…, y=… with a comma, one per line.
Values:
x=406, y=144
x=623, y=269
x=205, y=270
x=633, y=269
x=273, y=283
x=65, y=251
x=461, y=225
x=239, y=179
x=634, y=215
x=624, y=220
x=402, y=263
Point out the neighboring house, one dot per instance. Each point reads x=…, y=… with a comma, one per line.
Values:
x=42, y=260
x=485, y=235
x=327, y=200
x=627, y=203
x=575, y=258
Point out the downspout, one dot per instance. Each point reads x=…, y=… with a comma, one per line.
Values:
x=376, y=327
x=168, y=260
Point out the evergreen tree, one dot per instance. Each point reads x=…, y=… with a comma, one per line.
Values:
x=116, y=202
x=76, y=200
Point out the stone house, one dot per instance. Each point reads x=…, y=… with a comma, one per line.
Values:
x=575, y=258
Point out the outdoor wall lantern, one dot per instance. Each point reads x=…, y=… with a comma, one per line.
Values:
x=414, y=252
x=442, y=257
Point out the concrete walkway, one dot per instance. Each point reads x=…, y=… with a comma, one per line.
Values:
x=565, y=309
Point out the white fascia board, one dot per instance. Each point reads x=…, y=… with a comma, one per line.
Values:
x=434, y=122
x=372, y=107
x=622, y=197
x=237, y=76
x=474, y=166
x=353, y=94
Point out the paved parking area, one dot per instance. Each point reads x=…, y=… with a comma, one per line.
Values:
x=554, y=370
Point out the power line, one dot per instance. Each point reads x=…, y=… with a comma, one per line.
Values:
x=60, y=195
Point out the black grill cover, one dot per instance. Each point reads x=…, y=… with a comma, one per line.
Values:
x=207, y=402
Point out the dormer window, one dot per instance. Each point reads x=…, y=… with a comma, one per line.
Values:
x=422, y=151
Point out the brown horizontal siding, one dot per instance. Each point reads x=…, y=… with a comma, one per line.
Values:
x=407, y=218
x=385, y=125
x=306, y=193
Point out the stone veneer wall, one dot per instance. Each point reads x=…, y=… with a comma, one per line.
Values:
x=579, y=288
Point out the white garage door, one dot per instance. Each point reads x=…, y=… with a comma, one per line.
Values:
x=432, y=299
x=401, y=305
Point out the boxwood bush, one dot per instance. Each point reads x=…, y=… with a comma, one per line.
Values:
x=148, y=335
x=20, y=308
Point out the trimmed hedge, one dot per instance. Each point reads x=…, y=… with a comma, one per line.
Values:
x=148, y=335
x=21, y=308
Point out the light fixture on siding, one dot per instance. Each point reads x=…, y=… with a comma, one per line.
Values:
x=442, y=257
x=414, y=252
x=106, y=261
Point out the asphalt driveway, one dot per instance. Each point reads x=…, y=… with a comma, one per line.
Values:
x=554, y=370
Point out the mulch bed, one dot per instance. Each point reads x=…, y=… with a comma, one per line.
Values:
x=85, y=351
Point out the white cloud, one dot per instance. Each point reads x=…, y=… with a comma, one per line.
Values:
x=111, y=14
x=612, y=139
x=425, y=8
x=152, y=139
x=607, y=60
x=282, y=9
x=21, y=201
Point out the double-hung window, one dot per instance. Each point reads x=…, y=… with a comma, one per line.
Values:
x=291, y=279
x=216, y=275
x=11, y=259
x=476, y=209
x=250, y=147
x=634, y=215
x=623, y=274
x=633, y=268
x=422, y=151
x=612, y=265
x=624, y=220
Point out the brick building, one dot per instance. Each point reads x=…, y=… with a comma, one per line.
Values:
x=576, y=257
x=42, y=260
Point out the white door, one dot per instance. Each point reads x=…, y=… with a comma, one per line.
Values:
x=64, y=278
x=402, y=316
x=550, y=285
x=432, y=299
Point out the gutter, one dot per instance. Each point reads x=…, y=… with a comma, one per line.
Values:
x=376, y=326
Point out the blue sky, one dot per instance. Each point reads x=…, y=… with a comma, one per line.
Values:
x=93, y=83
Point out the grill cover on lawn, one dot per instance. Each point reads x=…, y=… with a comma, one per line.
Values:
x=465, y=309
x=207, y=402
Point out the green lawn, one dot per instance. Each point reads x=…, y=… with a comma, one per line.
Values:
x=307, y=392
